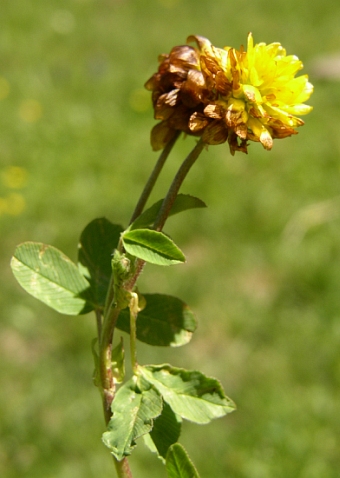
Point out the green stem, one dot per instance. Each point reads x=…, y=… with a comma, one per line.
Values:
x=168, y=202
x=176, y=184
x=153, y=178
x=139, y=209
x=122, y=468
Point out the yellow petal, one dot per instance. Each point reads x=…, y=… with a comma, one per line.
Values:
x=260, y=132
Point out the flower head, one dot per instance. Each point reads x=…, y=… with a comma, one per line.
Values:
x=228, y=94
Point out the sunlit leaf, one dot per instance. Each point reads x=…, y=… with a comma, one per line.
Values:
x=152, y=246
x=50, y=276
x=190, y=394
x=132, y=416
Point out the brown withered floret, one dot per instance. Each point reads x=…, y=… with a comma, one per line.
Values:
x=178, y=92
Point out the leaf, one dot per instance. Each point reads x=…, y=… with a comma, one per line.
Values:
x=182, y=203
x=178, y=463
x=50, y=276
x=166, y=431
x=96, y=245
x=152, y=246
x=164, y=321
x=190, y=394
x=133, y=413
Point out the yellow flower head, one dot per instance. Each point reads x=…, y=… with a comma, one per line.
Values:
x=228, y=94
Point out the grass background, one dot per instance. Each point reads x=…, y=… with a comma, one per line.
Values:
x=263, y=270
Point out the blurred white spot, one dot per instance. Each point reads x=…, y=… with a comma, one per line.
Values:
x=310, y=216
x=80, y=115
x=326, y=67
x=63, y=22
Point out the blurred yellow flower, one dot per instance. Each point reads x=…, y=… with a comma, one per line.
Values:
x=14, y=177
x=14, y=204
x=228, y=94
x=30, y=111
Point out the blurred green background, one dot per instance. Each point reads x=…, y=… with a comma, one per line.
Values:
x=263, y=269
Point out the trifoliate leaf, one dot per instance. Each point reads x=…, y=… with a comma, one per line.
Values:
x=190, y=394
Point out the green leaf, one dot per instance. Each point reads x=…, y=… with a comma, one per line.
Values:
x=182, y=203
x=190, y=394
x=164, y=321
x=50, y=276
x=152, y=246
x=166, y=431
x=96, y=245
x=133, y=413
x=178, y=463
